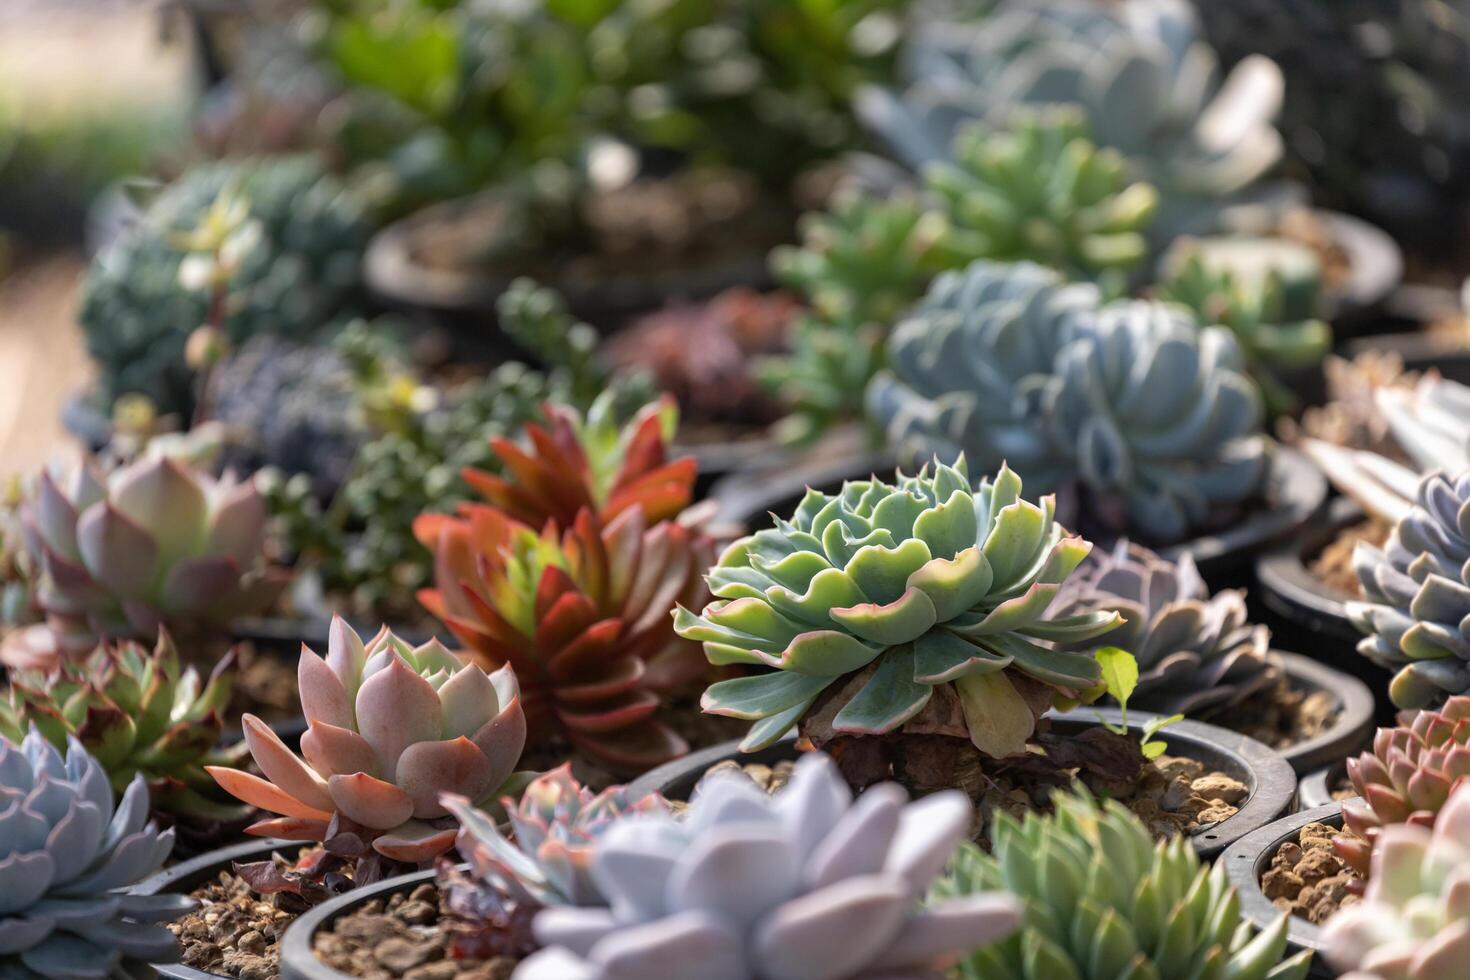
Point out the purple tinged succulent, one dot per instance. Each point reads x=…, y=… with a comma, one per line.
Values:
x=556, y=826
x=65, y=855
x=808, y=884
x=153, y=543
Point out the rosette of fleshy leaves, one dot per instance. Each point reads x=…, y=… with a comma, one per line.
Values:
x=156, y=542
x=1157, y=420
x=574, y=464
x=968, y=366
x=1197, y=653
x=390, y=727
x=136, y=711
x=883, y=598
x=545, y=861
x=583, y=613
x=1040, y=190
x=67, y=856
x=1416, y=595
x=807, y=883
x=1413, y=922
x=1411, y=771
x=1102, y=900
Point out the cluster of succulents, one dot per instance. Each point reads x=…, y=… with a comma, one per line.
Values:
x=67, y=856
x=156, y=542
x=1406, y=778
x=884, y=598
x=1101, y=899
x=297, y=277
x=1416, y=595
x=1145, y=420
x=809, y=882
x=137, y=712
x=1197, y=653
x=1040, y=190
x=1147, y=84
x=390, y=727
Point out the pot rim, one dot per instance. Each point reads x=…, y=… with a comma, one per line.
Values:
x=1271, y=779
x=1375, y=265
x=1351, y=729
x=298, y=959
x=1249, y=857
x=1288, y=587
x=1315, y=788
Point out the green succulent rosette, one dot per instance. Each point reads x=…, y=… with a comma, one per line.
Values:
x=918, y=586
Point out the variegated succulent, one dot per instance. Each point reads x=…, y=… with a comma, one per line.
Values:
x=1103, y=901
x=1197, y=653
x=390, y=727
x=1416, y=595
x=136, y=712
x=66, y=856
x=878, y=598
x=1040, y=190
x=556, y=825
x=576, y=464
x=154, y=543
x=968, y=367
x=809, y=883
x=1407, y=777
x=583, y=615
x=1414, y=920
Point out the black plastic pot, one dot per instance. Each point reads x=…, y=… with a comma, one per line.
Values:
x=185, y=877
x=1353, y=725
x=1315, y=788
x=1248, y=858
x=462, y=302
x=1307, y=615
x=1294, y=487
x=1271, y=780
x=298, y=962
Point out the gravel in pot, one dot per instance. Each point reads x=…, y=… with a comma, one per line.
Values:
x=1289, y=866
x=1333, y=711
x=1242, y=783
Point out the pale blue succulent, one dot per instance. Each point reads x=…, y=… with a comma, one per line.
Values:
x=65, y=855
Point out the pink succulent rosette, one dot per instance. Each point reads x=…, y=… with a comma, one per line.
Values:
x=390, y=728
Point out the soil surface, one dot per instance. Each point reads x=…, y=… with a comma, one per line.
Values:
x=235, y=932
x=410, y=936
x=1280, y=716
x=1306, y=877
x=1333, y=567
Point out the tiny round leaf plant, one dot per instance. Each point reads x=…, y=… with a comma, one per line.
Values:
x=66, y=854
x=807, y=883
x=1104, y=901
x=884, y=595
x=390, y=727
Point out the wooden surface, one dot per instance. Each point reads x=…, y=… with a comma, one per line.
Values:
x=42, y=362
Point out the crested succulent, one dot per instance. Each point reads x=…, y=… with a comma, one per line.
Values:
x=299, y=278
x=1158, y=421
x=888, y=594
x=1197, y=653
x=1040, y=190
x=556, y=826
x=390, y=727
x=1141, y=417
x=808, y=883
x=66, y=854
x=1103, y=901
x=135, y=711
x=156, y=542
x=968, y=365
x=1407, y=777
x=583, y=614
x=592, y=464
x=1271, y=309
x=1414, y=920
x=1148, y=86
x=1416, y=595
